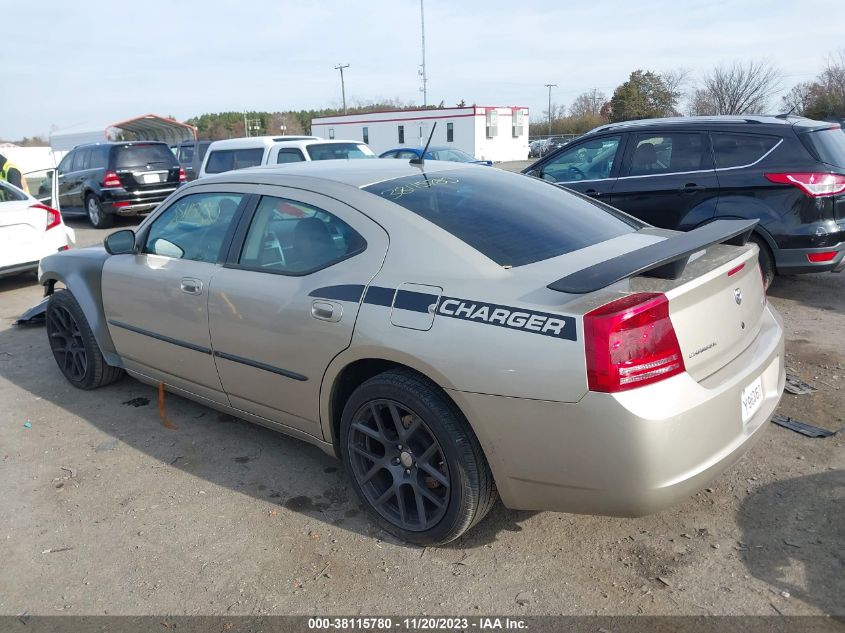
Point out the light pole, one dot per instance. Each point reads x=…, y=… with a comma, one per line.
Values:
x=340, y=67
x=550, y=86
x=424, y=88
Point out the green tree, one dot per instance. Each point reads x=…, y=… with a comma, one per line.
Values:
x=644, y=96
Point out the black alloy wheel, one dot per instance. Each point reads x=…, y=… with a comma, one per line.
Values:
x=399, y=465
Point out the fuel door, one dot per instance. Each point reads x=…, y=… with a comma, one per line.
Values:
x=414, y=306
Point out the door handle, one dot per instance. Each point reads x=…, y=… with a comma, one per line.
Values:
x=191, y=286
x=593, y=193
x=691, y=187
x=327, y=311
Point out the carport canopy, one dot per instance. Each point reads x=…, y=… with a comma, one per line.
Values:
x=152, y=127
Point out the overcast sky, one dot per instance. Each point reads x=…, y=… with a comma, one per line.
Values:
x=100, y=62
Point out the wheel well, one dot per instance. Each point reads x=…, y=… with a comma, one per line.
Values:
x=354, y=375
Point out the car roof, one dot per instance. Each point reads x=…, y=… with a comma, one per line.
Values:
x=355, y=173
x=708, y=121
x=119, y=144
x=315, y=141
x=258, y=141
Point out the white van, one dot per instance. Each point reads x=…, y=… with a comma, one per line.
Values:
x=240, y=153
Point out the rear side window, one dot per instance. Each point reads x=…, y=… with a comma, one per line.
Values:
x=80, y=160
x=668, y=153
x=294, y=238
x=827, y=145
x=99, y=157
x=289, y=155
x=143, y=154
x=335, y=151
x=9, y=193
x=511, y=219
x=739, y=150
x=228, y=159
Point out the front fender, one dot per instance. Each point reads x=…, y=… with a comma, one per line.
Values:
x=81, y=272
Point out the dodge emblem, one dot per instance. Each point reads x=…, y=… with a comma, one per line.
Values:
x=738, y=295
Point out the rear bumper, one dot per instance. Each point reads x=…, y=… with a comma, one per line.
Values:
x=632, y=453
x=123, y=202
x=790, y=261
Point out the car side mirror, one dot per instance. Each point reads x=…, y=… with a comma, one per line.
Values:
x=120, y=242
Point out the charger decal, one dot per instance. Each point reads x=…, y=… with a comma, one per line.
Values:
x=543, y=323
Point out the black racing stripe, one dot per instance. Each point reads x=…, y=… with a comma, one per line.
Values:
x=258, y=365
x=379, y=296
x=161, y=337
x=348, y=292
x=414, y=301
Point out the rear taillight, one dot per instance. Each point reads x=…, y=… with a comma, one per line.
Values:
x=182, y=176
x=111, y=180
x=631, y=342
x=814, y=184
x=54, y=218
x=824, y=256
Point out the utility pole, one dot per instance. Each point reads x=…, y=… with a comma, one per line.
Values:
x=424, y=88
x=550, y=86
x=340, y=67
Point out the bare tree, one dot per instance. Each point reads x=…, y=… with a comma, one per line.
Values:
x=739, y=88
x=588, y=103
x=676, y=82
x=799, y=98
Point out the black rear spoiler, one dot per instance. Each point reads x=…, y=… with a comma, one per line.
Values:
x=665, y=259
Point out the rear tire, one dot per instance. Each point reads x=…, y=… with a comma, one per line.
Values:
x=767, y=261
x=438, y=484
x=74, y=346
x=96, y=215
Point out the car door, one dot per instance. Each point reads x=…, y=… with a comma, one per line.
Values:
x=589, y=166
x=285, y=303
x=62, y=172
x=668, y=179
x=156, y=301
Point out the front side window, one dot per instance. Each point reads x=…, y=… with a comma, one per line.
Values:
x=193, y=227
x=401, y=134
x=450, y=132
x=590, y=160
x=668, y=153
x=339, y=151
x=508, y=218
x=294, y=238
x=228, y=159
x=737, y=150
x=453, y=155
x=289, y=155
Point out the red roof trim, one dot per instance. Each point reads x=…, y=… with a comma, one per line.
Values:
x=415, y=118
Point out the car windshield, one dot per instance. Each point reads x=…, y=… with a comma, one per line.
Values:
x=453, y=155
x=511, y=219
x=143, y=154
x=334, y=151
x=829, y=145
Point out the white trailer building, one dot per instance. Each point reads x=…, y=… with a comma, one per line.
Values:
x=494, y=133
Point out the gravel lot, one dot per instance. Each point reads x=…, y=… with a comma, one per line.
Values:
x=104, y=510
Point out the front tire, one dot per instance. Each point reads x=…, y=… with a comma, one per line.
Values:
x=74, y=346
x=413, y=460
x=98, y=217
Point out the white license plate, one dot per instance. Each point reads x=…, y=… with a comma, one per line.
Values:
x=752, y=399
x=148, y=178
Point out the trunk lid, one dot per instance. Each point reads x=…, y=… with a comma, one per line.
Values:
x=21, y=229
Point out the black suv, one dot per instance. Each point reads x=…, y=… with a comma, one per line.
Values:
x=789, y=172
x=107, y=179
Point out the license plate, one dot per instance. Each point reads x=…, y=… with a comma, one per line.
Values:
x=751, y=399
x=148, y=178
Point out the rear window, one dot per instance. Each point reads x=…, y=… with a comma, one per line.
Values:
x=334, y=151
x=157, y=154
x=228, y=159
x=738, y=150
x=511, y=219
x=827, y=145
